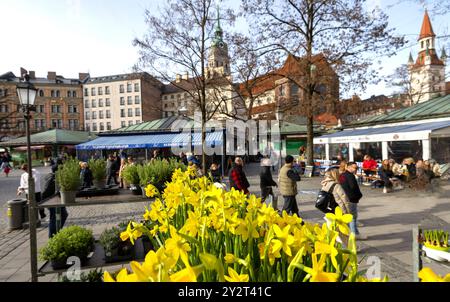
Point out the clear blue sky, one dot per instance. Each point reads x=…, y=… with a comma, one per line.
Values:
x=71, y=36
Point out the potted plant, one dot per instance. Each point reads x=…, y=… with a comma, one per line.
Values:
x=68, y=180
x=116, y=249
x=158, y=172
x=436, y=244
x=98, y=168
x=131, y=176
x=70, y=241
x=92, y=276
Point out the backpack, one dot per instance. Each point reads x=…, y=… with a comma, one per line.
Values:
x=325, y=200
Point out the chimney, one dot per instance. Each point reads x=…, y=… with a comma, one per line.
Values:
x=178, y=78
x=51, y=75
x=83, y=76
x=32, y=75
x=186, y=76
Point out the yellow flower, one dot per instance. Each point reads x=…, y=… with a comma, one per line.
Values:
x=293, y=220
x=177, y=246
x=151, y=191
x=316, y=272
x=230, y=258
x=132, y=232
x=270, y=254
x=122, y=276
x=341, y=220
x=191, y=225
x=284, y=240
x=189, y=274
x=235, y=277
x=427, y=275
x=327, y=249
x=248, y=229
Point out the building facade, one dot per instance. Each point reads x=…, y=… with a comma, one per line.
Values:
x=427, y=73
x=59, y=104
x=114, y=102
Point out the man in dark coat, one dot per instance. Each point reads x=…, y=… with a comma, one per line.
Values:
x=266, y=180
x=111, y=169
x=237, y=177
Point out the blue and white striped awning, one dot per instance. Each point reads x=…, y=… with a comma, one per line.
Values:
x=166, y=140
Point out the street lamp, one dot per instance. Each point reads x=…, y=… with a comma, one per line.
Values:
x=27, y=95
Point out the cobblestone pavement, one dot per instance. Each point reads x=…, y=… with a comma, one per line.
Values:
x=388, y=220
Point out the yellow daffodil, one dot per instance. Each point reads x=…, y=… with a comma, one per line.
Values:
x=177, y=246
x=293, y=220
x=341, y=220
x=247, y=229
x=151, y=191
x=427, y=275
x=189, y=274
x=230, y=258
x=316, y=272
x=132, y=232
x=147, y=215
x=284, y=240
x=327, y=249
x=235, y=277
x=122, y=276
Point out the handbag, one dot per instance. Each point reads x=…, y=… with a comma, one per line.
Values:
x=325, y=200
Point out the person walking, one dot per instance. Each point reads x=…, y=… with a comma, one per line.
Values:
x=354, y=195
x=23, y=187
x=237, y=177
x=331, y=181
x=215, y=174
x=86, y=176
x=287, y=179
x=266, y=181
x=111, y=170
x=49, y=191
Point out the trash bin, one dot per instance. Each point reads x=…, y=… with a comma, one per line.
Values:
x=15, y=213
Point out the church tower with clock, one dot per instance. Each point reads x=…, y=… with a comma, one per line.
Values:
x=218, y=58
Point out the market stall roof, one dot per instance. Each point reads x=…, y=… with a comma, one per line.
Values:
x=52, y=137
x=161, y=125
x=392, y=133
x=435, y=108
x=156, y=140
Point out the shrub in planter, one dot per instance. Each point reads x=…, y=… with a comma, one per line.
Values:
x=158, y=172
x=92, y=276
x=115, y=248
x=70, y=241
x=131, y=176
x=98, y=168
x=68, y=180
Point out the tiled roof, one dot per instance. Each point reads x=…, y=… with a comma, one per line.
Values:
x=427, y=28
x=161, y=125
x=435, y=108
x=422, y=55
x=56, y=136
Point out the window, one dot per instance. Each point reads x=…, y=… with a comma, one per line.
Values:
x=100, y=90
x=130, y=123
x=86, y=103
x=130, y=100
x=58, y=93
x=136, y=87
x=130, y=112
x=94, y=115
x=73, y=109
x=87, y=116
x=86, y=92
x=57, y=124
x=69, y=94
x=185, y=95
x=281, y=90
x=165, y=105
x=41, y=93
x=269, y=100
x=52, y=93
x=137, y=99
x=88, y=127
x=107, y=103
x=122, y=101
x=122, y=88
x=166, y=114
x=129, y=87
x=138, y=122
x=172, y=97
x=94, y=104
x=107, y=91
x=179, y=103
x=56, y=109
x=100, y=102
x=39, y=124
x=122, y=112
x=108, y=114
x=108, y=126
x=102, y=127
x=3, y=108
x=92, y=91
x=123, y=124
x=165, y=97
x=94, y=126
x=73, y=124
x=41, y=108
x=74, y=94
x=101, y=115
x=421, y=44
x=137, y=112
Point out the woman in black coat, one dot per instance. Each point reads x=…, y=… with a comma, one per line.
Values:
x=266, y=180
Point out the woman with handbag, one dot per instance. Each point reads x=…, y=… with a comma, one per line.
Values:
x=331, y=184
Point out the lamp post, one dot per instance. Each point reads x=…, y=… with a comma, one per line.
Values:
x=27, y=95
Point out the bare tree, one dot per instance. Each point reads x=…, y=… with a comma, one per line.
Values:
x=343, y=31
x=178, y=40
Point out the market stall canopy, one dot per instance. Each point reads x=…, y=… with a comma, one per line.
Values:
x=157, y=140
x=52, y=137
x=24, y=148
x=394, y=133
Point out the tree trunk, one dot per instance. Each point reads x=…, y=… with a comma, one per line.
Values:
x=204, y=143
x=310, y=141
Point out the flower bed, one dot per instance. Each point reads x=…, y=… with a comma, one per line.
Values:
x=203, y=233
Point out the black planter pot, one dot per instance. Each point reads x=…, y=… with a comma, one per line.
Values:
x=136, y=191
x=147, y=244
x=125, y=251
x=62, y=263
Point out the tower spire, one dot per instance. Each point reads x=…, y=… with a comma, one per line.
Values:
x=427, y=29
x=410, y=60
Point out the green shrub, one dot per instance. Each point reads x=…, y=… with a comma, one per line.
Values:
x=68, y=176
x=110, y=238
x=159, y=171
x=70, y=241
x=98, y=168
x=130, y=174
x=92, y=276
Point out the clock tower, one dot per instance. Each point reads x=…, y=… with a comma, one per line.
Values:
x=218, y=58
